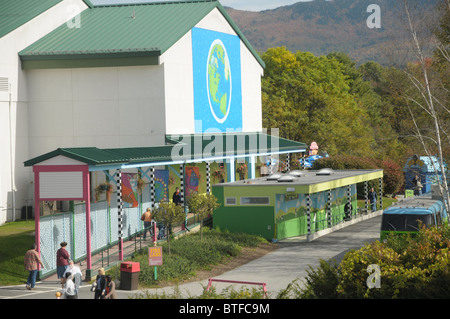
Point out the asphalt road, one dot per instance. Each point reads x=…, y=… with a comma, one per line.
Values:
x=276, y=269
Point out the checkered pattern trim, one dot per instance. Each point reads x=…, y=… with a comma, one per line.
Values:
x=366, y=196
x=308, y=212
x=330, y=221
x=152, y=187
x=381, y=193
x=208, y=178
x=182, y=183
x=119, y=203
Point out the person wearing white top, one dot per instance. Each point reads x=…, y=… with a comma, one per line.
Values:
x=76, y=274
x=69, y=291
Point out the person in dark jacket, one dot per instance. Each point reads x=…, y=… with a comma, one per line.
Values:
x=100, y=287
x=373, y=199
x=177, y=197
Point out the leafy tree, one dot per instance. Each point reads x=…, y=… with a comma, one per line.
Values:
x=393, y=178
x=309, y=99
x=169, y=214
x=426, y=94
x=203, y=205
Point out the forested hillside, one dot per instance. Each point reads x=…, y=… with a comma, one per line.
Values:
x=367, y=109
x=322, y=27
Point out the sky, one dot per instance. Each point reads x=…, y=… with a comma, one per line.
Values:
x=249, y=5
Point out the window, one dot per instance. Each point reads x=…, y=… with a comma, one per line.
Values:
x=230, y=201
x=4, y=84
x=255, y=201
x=404, y=222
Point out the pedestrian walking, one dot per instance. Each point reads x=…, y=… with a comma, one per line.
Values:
x=147, y=219
x=373, y=199
x=110, y=288
x=100, y=285
x=32, y=261
x=69, y=291
x=76, y=274
x=62, y=261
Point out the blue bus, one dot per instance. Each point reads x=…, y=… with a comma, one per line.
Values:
x=404, y=217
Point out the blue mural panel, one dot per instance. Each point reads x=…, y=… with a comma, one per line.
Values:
x=217, y=81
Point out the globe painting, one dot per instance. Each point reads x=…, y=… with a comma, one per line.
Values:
x=219, y=81
x=216, y=66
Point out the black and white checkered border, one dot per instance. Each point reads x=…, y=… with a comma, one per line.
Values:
x=119, y=203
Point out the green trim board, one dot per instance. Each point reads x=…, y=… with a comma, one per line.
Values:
x=89, y=61
x=122, y=31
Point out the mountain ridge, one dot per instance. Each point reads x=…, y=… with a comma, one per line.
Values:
x=322, y=27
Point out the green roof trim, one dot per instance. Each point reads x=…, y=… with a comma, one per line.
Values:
x=180, y=148
x=122, y=32
x=15, y=13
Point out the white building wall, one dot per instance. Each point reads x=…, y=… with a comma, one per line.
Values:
x=251, y=91
x=179, y=87
x=103, y=107
x=10, y=68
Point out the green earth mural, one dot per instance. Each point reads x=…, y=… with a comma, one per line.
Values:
x=219, y=81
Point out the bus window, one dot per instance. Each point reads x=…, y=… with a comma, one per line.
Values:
x=405, y=222
x=412, y=221
x=393, y=222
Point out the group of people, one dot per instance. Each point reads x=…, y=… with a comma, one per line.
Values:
x=69, y=274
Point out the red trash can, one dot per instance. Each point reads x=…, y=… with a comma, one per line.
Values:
x=129, y=275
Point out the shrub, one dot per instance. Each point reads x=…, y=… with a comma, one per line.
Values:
x=411, y=267
x=393, y=178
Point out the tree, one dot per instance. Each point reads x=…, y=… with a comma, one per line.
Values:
x=169, y=214
x=203, y=205
x=427, y=97
x=309, y=98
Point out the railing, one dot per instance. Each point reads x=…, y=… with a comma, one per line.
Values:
x=109, y=258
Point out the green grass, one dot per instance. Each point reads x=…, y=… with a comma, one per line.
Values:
x=15, y=239
x=189, y=254
x=387, y=201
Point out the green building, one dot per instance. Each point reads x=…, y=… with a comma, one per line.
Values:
x=293, y=204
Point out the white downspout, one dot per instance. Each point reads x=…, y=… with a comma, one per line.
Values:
x=13, y=188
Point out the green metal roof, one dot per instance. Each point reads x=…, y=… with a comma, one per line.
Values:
x=98, y=157
x=135, y=31
x=14, y=13
x=234, y=145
